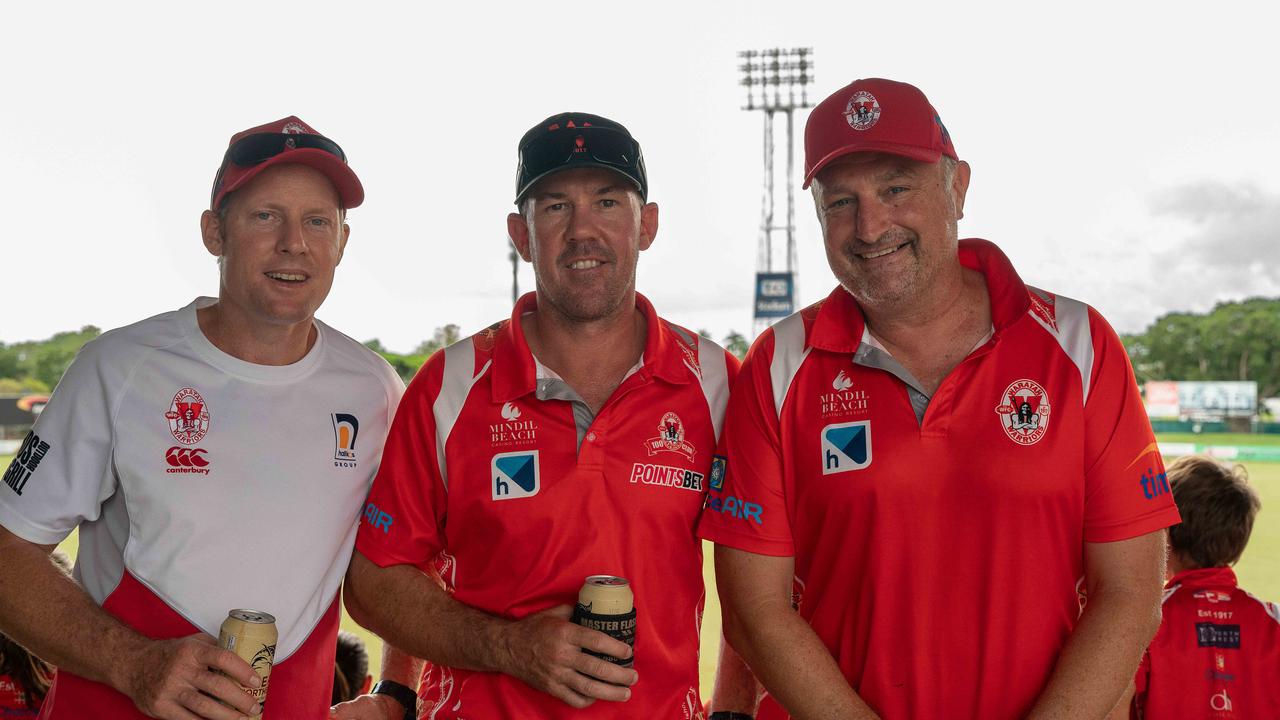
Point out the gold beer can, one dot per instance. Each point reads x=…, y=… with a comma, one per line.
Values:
x=606, y=603
x=251, y=635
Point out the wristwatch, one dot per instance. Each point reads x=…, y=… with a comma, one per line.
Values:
x=401, y=694
x=726, y=715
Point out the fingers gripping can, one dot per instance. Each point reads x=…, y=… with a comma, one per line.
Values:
x=605, y=603
x=251, y=635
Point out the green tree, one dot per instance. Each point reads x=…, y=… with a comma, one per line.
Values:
x=735, y=343
x=1233, y=341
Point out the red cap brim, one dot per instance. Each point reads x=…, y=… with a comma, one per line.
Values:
x=350, y=191
x=914, y=152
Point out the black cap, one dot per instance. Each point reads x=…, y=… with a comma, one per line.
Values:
x=571, y=140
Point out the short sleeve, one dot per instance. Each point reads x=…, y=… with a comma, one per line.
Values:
x=63, y=472
x=403, y=517
x=746, y=504
x=1126, y=491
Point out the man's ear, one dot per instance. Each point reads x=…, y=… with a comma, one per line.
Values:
x=211, y=232
x=342, y=244
x=648, y=224
x=960, y=186
x=518, y=230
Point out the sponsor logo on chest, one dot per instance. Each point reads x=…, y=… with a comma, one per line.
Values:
x=844, y=401
x=846, y=447
x=345, y=429
x=1024, y=412
x=513, y=430
x=514, y=475
x=667, y=476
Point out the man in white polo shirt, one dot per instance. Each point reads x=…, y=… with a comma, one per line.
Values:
x=213, y=458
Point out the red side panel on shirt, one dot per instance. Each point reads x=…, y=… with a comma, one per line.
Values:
x=301, y=686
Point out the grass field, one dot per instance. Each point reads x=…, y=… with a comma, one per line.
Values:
x=1259, y=569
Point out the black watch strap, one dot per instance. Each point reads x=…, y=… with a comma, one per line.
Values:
x=726, y=715
x=401, y=694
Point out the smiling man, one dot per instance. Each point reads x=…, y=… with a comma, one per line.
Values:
x=574, y=439
x=213, y=458
x=931, y=462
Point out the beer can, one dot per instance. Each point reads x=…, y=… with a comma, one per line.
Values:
x=251, y=634
x=606, y=603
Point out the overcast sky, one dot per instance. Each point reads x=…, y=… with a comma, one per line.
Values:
x=1123, y=153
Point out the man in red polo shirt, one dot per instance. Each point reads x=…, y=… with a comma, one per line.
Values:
x=574, y=439
x=927, y=463
x=1217, y=654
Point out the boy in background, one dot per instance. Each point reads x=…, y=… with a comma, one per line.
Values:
x=1217, y=654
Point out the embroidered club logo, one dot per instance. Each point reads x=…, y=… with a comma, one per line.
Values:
x=670, y=438
x=1024, y=412
x=188, y=416
x=515, y=475
x=863, y=110
x=510, y=412
x=846, y=446
x=842, y=382
x=294, y=128
x=345, y=429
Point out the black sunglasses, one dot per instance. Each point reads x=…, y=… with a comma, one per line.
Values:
x=556, y=149
x=261, y=147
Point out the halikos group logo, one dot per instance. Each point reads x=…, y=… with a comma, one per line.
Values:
x=1024, y=412
x=670, y=438
x=188, y=416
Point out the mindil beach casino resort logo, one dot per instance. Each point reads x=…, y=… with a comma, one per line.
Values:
x=670, y=438
x=1024, y=412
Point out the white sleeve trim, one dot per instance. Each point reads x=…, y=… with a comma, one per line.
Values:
x=456, y=385
x=789, y=352
x=1071, y=318
x=715, y=381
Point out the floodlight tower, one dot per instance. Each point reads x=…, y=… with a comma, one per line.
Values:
x=777, y=81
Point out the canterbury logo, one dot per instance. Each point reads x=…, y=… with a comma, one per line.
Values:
x=186, y=457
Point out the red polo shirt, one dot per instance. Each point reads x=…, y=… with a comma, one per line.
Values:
x=1217, y=654
x=937, y=551
x=496, y=471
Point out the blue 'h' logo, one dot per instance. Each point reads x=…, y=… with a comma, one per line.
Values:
x=846, y=446
x=515, y=475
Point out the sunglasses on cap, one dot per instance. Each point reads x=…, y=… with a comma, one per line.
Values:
x=261, y=147
x=555, y=150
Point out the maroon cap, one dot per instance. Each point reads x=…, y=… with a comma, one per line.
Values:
x=874, y=115
x=245, y=160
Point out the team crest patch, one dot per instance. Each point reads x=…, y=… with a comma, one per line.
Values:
x=188, y=416
x=1024, y=412
x=670, y=438
x=863, y=110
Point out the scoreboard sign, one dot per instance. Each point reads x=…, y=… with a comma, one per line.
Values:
x=775, y=295
x=1202, y=399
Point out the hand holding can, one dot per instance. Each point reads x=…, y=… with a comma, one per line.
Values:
x=606, y=604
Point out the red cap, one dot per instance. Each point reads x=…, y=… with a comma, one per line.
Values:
x=874, y=115
x=233, y=177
